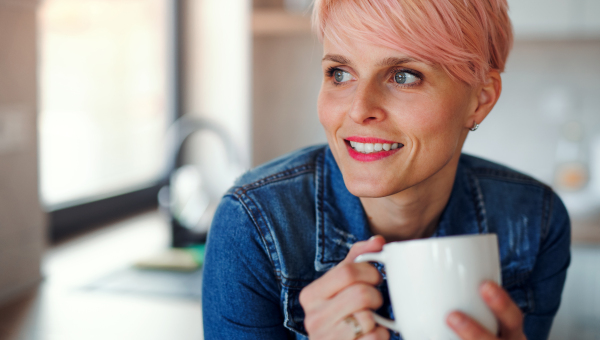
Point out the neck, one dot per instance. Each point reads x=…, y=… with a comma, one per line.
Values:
x=414, y=212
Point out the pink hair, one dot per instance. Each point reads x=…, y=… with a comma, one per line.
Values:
x=465, y=37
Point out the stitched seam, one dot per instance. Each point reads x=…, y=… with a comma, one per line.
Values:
x=321, y=190
x=477, y=199
x=531, y=300
x=294, y=280
x=299, y=170
x=262, y=236
x=546, y=213
x=277, y=271
x=239, y=193
x=293, y=325
x=503, y=174
x=507, y=176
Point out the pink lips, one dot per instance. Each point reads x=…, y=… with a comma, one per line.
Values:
x=370, y=157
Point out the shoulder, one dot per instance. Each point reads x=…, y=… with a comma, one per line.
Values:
x=511, y=194
x=276, y=203
x=508, y=192
x=291, y=165
x=488, y=170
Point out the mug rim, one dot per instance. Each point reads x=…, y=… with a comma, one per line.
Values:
x=439, y=239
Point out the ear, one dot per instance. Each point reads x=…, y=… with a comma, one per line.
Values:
x=486, y=96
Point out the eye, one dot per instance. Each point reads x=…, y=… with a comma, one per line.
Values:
x=341, y=76
x=405, y=78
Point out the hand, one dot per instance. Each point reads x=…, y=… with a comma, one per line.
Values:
x=506, y=311
x=338, y=305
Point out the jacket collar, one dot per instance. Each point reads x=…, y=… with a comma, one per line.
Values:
x=341, y=219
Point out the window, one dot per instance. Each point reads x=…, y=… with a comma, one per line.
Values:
x=105, y=97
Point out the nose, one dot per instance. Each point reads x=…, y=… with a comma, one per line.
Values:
x=366, y=105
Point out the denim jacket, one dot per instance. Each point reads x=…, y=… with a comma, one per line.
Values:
x=286, y=223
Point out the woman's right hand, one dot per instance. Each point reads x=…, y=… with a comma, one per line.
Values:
x=338, y=305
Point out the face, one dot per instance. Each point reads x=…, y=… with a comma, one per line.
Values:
x=392, y=122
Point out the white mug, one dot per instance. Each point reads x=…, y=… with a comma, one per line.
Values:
x=430, y=278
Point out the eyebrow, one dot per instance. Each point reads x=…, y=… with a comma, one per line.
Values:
x=337, y=58
x=392, y=61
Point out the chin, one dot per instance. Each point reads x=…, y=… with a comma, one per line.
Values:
x=370, y=188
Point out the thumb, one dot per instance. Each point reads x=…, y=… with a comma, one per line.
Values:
x=372, y=245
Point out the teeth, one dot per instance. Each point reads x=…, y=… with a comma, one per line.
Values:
x=372, y=147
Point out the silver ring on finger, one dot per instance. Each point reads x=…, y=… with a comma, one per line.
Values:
x=356, y=328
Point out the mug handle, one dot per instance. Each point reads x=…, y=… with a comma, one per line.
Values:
x=378, y=257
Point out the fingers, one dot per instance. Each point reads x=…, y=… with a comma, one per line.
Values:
x=350, y=301
x=346, y=290
x=343, y=275
x=355, y=298
x=335, y=281
x=366, y=321
x=467, y=328
x=370, y=330
x=379, y=333
x=372, y=245
x=506, y=311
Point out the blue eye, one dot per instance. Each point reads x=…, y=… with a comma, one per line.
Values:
x=341, y=76
x=404, y=78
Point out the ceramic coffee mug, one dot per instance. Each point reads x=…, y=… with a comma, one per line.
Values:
x=430, y=278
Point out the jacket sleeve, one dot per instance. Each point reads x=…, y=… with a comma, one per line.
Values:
x=240, y=293
x=550, y=271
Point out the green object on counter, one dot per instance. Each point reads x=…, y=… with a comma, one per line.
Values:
x=197, y=251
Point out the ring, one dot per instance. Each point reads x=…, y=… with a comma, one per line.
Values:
x=351, y=320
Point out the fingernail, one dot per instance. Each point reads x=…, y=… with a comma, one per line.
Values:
x=372, y=237
x=489, y=291
x=457, y=320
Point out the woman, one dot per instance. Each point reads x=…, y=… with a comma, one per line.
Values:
x=404, y=83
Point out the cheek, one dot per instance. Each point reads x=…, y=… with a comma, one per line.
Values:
x=437, y=119
x=330, y=111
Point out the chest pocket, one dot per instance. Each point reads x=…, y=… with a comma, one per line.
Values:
x=293, y=311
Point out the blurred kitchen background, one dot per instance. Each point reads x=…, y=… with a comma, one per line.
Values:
x=123, y=121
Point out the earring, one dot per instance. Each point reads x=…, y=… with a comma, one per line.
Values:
x=475, y=126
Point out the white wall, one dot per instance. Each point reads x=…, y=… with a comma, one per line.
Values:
x=551, y=19
x=22, y=223
x=546, y=84
x=218, y=69
x=217, y=85
x=286, y=81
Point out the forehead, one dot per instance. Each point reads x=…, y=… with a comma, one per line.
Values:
x=350, y=52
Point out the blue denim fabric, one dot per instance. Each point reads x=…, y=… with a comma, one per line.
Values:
x=286, y=223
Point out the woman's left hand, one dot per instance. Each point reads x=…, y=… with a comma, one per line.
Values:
x=507, y=312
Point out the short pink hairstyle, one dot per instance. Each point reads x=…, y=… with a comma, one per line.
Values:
x=465, y=37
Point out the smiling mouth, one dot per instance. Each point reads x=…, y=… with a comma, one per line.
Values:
x=368, y=148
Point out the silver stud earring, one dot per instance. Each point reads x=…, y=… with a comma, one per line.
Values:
x=475, y=126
